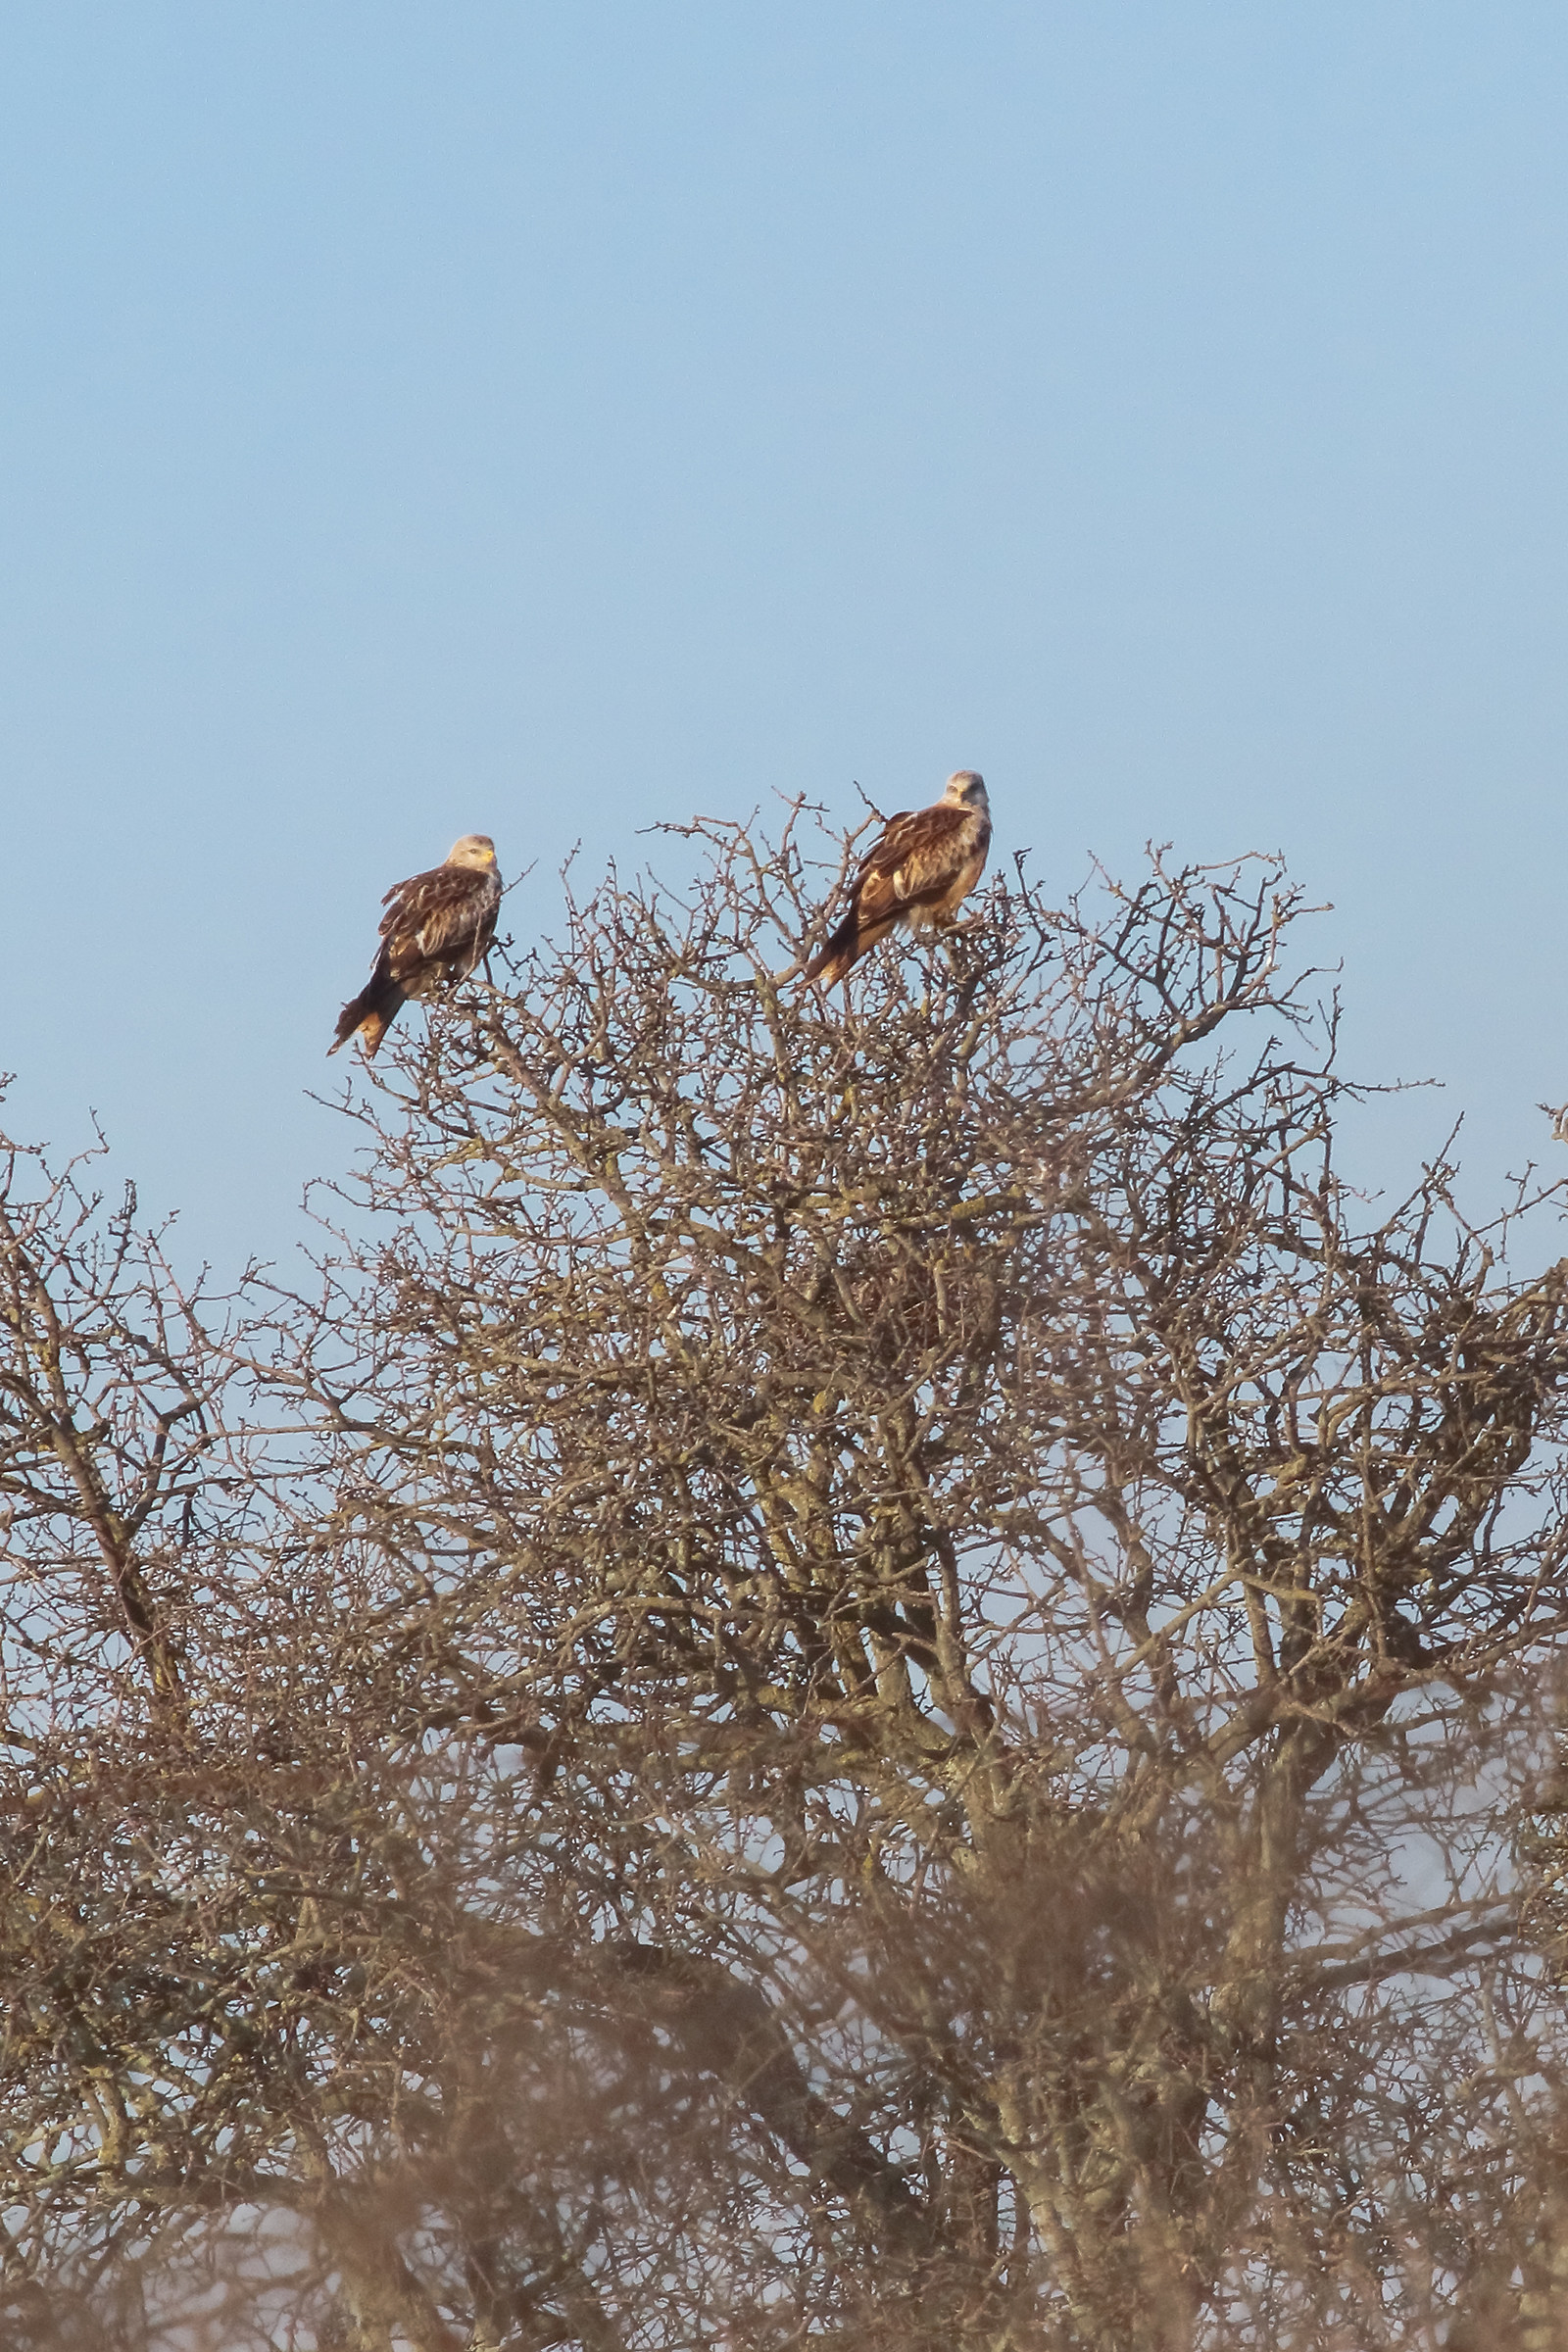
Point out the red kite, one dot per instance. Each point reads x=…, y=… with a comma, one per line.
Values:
x=435, y=929
x=925, y=865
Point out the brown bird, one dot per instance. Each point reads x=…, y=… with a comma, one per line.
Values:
x=925, y=865
x=435, y=929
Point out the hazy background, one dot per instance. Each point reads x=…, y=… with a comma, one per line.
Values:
x=552, y=419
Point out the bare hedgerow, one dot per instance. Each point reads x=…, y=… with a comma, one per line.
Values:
x=861, y=1676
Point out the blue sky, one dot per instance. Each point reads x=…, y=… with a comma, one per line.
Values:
x=553, y=418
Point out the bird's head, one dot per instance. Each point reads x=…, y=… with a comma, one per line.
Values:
x=474, y=849
x=967, y=790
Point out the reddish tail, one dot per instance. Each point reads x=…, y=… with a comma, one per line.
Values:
x=831, y=963
x=372, y=1013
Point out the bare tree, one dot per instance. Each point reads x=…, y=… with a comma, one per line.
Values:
x=868, y=1672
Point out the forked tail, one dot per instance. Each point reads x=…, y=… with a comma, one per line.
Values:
x=370, y=1013
x=831, y=963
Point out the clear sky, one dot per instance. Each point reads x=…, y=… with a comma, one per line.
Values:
x=548, y=418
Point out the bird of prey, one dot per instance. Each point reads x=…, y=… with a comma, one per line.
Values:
x=926, y=863
x=435, y=929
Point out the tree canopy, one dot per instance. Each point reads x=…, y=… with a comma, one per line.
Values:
x=875, y=1671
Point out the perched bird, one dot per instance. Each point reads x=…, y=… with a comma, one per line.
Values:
x=924, y=865
x=435, y=929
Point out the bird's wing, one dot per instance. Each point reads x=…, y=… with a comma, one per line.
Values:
x=915, y=859
x=440, y=913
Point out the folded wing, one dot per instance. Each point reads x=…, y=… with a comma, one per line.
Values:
x=438, y=925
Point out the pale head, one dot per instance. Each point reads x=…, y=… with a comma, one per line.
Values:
x=967, y=790
x=474, y=849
